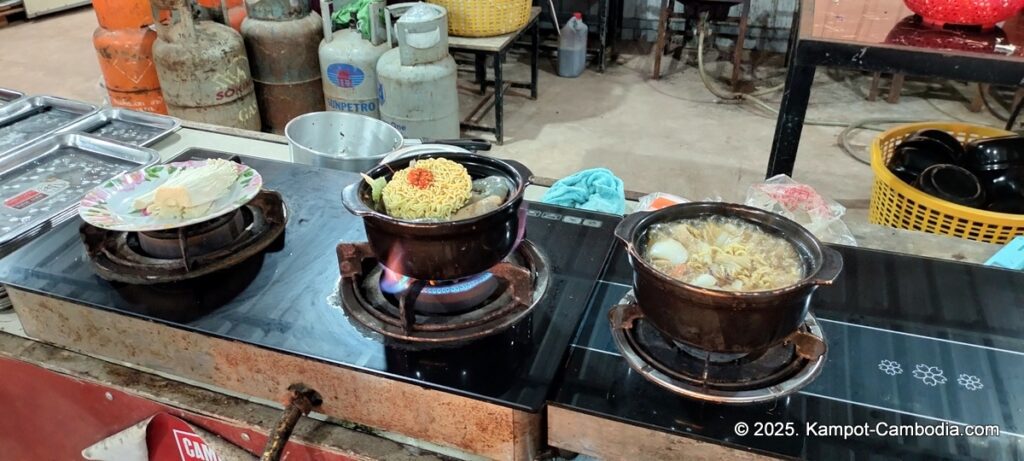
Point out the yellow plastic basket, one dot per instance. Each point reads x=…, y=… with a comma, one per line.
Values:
x=897, y=204
x=485, y=18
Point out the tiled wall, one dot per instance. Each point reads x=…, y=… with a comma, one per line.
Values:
x=769, y=19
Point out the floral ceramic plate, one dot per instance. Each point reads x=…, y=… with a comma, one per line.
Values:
x=109, y=205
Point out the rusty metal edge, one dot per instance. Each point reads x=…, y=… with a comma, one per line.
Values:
x=500, y=432
x=252, y=416
x=611, y=440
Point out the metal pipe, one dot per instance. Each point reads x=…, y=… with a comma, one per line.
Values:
x=301, y=400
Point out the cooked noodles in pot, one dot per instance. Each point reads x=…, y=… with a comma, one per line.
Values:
x=436, y=190
x=723, y=253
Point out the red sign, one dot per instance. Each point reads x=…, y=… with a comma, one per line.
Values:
x=171, y=439
x=192, y=448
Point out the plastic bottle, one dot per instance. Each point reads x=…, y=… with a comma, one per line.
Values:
x=572, y=47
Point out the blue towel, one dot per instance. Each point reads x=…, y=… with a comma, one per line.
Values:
x=1010, y=256
x=595, y=189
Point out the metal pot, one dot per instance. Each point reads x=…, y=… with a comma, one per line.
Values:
x=444, y=250
x=725, y=321
x=352, y=142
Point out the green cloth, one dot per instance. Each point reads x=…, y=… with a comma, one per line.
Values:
x=361, y=8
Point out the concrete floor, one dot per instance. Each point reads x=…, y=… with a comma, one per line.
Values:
x=666, y=135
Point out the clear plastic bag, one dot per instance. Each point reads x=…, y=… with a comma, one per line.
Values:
x=801, y=203
x=658, y=200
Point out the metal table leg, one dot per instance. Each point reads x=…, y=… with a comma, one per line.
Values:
x=499, y=99
x=602, y=53
x=534, y=59
x=791, y=119
x=481, y=71
x=737, y=55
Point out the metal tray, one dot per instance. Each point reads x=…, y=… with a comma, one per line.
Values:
x=127, y=126
x=8, y=95
x=31, y=118
x=42, y=182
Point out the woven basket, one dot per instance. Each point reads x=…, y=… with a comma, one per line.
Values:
x=897, y=204
x=485, y=18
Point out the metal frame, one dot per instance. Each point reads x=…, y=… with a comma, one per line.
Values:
x=665, y=33
x=498, y=83
x=807, y=53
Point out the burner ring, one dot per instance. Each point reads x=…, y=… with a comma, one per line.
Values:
x=496, y=317
x=622, y=318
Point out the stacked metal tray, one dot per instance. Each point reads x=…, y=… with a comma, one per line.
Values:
x=32, y=118
x=128, y=126
x=8, y=95
x=42, y=182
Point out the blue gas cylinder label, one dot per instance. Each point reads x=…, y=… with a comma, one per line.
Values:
x=351, y=106
x=345, y=75
x=380, y=93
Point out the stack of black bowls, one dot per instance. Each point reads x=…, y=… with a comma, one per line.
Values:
x=987, y=174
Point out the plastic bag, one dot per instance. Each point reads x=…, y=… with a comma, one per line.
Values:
x=801, y=203
x=658, y=200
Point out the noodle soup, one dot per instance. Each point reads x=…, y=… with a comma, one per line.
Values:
x=723, y=253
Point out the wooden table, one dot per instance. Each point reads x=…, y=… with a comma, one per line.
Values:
x=496, y=48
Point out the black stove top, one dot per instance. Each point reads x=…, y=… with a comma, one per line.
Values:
x=286, y=299
x=911, y=340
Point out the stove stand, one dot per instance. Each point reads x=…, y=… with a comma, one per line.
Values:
x=721, y=378
x=174, y=255
x=413, y=311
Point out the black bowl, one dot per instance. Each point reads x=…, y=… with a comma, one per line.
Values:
x=1006, y=192
x=952, y=184
x=954, y=145
x=910, y=160
x=994, y=154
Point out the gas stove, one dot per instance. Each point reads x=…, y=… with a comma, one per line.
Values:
x=759, y=376
x=913, y=345
x=430, y=313
x=286, y=314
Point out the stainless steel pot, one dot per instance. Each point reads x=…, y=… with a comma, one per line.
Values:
x=352, y=142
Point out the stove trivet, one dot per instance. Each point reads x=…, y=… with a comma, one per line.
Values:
x=522, y=278
x=720, y=378
x=187, y=252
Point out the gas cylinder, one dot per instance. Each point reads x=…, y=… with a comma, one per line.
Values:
x=203, y=70
x=124, y=47
x=234, y=13
x=348, y=64
x=282, y=37
x=417, y=90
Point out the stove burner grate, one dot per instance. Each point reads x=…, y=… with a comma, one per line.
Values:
x=507, y=293
x=722, y=378
x=188, y=252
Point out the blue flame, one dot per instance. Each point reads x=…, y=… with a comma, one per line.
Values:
x=393, y=284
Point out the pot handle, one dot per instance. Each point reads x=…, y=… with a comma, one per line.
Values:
x=350, y=198
x=831, y=266
x=468, y=144
x=624, y=231
x=521, y=169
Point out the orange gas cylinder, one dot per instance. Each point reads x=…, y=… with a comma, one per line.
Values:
x=236, y=13
x=124, y=47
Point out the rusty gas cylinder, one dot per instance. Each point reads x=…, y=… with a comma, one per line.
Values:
x=124, y=47
x=282, y=38
x=204, y=72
